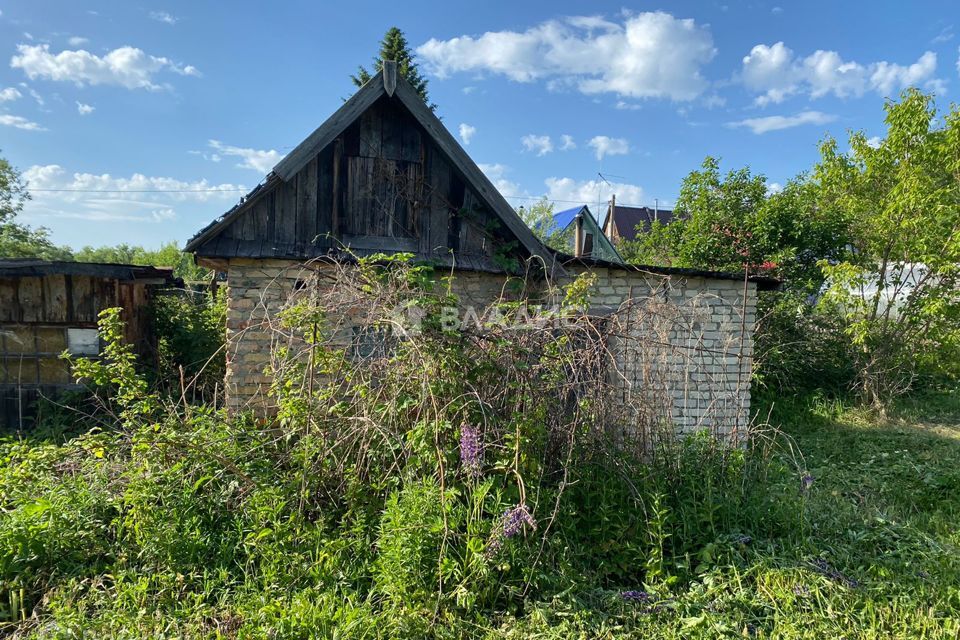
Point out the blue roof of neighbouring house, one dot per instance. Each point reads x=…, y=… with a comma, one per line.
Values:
x=565, y=217
x=602, y=248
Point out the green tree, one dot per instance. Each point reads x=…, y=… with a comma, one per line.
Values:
x=898, y=290
x=394, y=47
x=19, y=240
x=168, y=255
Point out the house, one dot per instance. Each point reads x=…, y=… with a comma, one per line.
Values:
x=49, y=307
x=383, y=174
x=624, y=223
x=578, y=234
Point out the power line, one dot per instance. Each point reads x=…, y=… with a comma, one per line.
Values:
x=245, y=190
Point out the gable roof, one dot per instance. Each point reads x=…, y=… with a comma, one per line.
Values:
x=627, y=219
x=390, y=83
x=602, y=247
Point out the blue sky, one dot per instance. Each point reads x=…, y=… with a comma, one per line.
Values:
x=139, y=123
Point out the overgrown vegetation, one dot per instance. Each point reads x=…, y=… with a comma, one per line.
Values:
x=866, y=244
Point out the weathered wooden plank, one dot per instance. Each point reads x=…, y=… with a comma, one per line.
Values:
x=307, y=203
x=411, y=148
x=371, y=126
x=392, y=132
x=439, y=212
x=9, y=306
x=324, y=196
x=84, y=304
x=30, y=297
x=338, y=190
x=54, y=298
x=285, y=220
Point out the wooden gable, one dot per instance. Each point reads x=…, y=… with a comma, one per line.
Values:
x=374, y=179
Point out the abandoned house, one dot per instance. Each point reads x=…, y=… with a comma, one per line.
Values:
x=47, y=308
x=383, y=174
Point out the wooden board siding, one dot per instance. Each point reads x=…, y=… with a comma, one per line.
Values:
x=381, y=185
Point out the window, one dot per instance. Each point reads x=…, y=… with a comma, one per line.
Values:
x=83, y=342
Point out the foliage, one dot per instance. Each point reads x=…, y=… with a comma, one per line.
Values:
x=394, y=47
x=539, y=217
x=167, y=255
x=898, y=290
x=190, y=330
x=458, y=484
x=19, y=240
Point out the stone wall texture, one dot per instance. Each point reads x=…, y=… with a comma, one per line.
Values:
x=681, y=348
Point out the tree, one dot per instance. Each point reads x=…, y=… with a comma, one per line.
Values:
x=19, y=240
x=898, y=289
x=168, y=255
x=394, y=47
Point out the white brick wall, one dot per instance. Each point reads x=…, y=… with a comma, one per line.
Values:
x=682, y=346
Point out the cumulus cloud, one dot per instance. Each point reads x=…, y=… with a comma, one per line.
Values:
x=775, y=73
x=103, y=197
x=164, y=17
x=256, y=159
x=607, y=146
x=776, y=123
x=77, y=41
x=592, y=192
x=84, y=109
x=10, y=94
x=19, y=122
x=127, y=67
x=466, y=132
x=567, y=143
x=497, y=173
x=541, y=144
x=647, y=55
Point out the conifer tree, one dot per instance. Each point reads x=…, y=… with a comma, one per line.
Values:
x=394, y=47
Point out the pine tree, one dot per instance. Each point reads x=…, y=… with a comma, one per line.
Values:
x=394, y=47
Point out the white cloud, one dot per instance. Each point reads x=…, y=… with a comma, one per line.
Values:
x=164, y=17
x=19, y=122
x=567, y=143
x=85, y=109
x=77, y=41
x=497, y=174
x=592, y=192
x=541, y=144
x=256, y=159
x=466, y=132
x=776, y=73
x=127, y=67
x=874, y=142
x=776, y=123
x=104, y=197
x=648, y=55
x=945, y=35
x=10, y=94
x=606, y=146
x=774, y=187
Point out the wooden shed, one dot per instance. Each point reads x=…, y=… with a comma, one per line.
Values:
x=49, y=307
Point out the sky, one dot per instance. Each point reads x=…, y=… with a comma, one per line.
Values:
x=139, y=123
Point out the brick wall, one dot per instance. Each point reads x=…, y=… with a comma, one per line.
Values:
x=681, y=346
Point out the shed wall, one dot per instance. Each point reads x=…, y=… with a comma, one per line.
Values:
x=682, y=346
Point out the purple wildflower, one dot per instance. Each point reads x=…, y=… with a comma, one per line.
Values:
x=635, y=596
x=801, y=590
x=806, y=482
x=513, y=521
x=742, y=539
x=823, y=567
x=471, y=450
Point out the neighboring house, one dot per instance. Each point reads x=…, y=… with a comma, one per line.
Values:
x=578, y=234
x=624, y=223
x=47, y=308
x=383, y=174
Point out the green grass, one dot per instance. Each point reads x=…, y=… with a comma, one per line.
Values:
x=874, y=551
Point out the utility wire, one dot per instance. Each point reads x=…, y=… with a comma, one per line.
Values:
x=245, y=190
